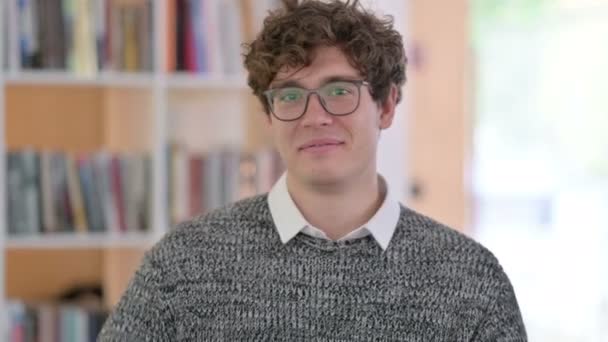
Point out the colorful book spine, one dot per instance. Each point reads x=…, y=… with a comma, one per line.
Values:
x=52, y=322
x=85, y=36
x=201, y=182
x=50, y=192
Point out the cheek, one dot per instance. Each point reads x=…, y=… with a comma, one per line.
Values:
x=282, y=138
x=366, y=129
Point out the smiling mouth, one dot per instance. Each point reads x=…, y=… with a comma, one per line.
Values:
x=320, y=146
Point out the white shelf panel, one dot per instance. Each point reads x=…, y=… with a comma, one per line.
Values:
x=75, y=240
x=106, y=79
x=189, y=80
x=117, y=79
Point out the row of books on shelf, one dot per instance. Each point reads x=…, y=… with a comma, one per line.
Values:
x=205, y=36
x=200, y=182
x=50, y=322
x=52, y=192
x=84, y=36
x=77, y=315
x=4, y=36
x=87, y=36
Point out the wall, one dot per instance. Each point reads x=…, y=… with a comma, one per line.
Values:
x=439, y=124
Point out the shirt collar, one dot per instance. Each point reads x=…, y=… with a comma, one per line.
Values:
x=289, y=220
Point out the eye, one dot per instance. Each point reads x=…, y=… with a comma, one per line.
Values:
x=288, y=95
x=338, y=89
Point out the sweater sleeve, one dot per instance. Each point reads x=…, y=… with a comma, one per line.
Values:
x=502, y=321
x=141, y=313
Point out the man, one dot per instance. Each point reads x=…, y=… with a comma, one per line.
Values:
x=328, y=254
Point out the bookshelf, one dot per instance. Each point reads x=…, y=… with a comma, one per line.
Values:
x=84, y=111
x=3, y=214
x=79, y=109
x=77, y=241
x=104, y=79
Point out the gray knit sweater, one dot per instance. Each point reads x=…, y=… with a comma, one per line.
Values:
x=226, y=276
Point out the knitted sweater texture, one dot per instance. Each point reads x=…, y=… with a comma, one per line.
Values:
x=226, y=276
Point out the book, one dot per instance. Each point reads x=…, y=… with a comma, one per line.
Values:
x=5, y=34
x=201, y=182
x=28, y=28
x=231, y=34
x=180, y=185
x=196, y=174
x=214, y=188
x=17, y=198
x=91, y=195
x=135, y=196
x=80, y=222
x=189, y=8
x=30, y=188
x=47, y=323
x=68, y=12
x=231, y=159
x=52, y=34
x=85, y=36
x=84, y=39
x=49, y=217
x=171, y=18
x=101, y=169
x=50, y=192
x=62, y=206
x=205, y=36
x=129, y=20
x=180, y=34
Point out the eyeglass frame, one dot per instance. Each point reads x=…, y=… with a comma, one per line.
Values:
x=268, y=95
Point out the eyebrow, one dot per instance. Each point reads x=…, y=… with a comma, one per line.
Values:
x=329, y=79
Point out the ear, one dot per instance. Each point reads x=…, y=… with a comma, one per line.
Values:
x=387, y=109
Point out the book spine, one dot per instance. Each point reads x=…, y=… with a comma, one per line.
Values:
x=91, y=195
x=67, y=12
x=181, y=22
x=99, y=13
x=104, y=183
x=195, y=186
x=171, y=36
x=31, y=191
x=76, y=198
x=117, y=189
x=189, y=48
x=13, y=191
x=49, y=218
x=130, y=48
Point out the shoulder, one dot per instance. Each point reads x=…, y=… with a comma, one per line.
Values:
x=221, y=227
x=427, y=239
x=449, y=261
x=247, y=210
x=449, y=256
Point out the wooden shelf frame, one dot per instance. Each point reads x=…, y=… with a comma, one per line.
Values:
x=76, y=241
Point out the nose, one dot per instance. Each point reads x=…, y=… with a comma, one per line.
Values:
x=315, y=114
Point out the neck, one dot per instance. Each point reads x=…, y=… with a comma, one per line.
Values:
x=338, y=209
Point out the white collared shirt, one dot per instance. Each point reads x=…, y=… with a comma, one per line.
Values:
x=289, y=220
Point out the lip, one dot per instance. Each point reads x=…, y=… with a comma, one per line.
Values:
x=319, y=145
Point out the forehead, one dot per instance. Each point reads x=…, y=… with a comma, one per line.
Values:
x=327, y=62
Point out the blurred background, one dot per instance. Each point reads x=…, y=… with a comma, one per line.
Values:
x=120, y=118
x=539, y=166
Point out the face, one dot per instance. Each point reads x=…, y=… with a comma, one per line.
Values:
x=320, y=148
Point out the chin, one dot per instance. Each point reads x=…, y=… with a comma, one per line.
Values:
x=324, y=176
x=319, y=172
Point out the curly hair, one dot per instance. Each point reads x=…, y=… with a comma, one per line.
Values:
x=370, y=43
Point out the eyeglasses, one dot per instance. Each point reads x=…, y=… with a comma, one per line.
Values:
x=337, y=98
